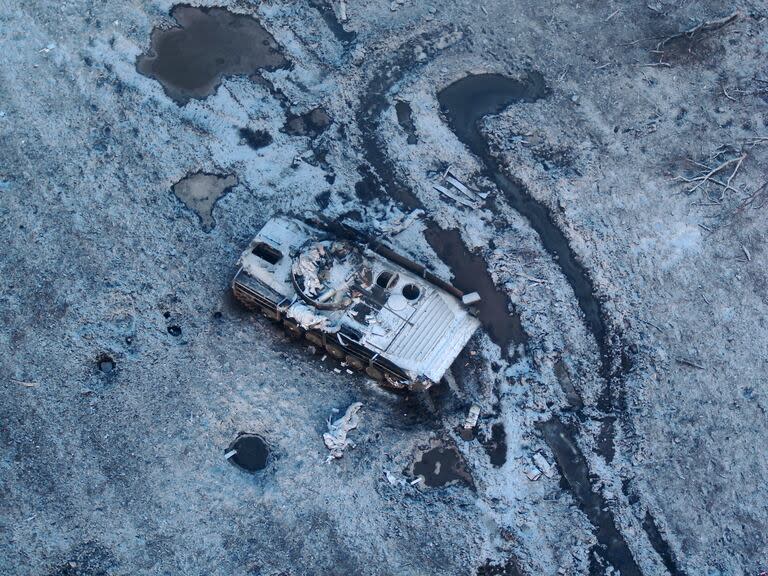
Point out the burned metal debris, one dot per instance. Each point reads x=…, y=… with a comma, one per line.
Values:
x=356, y=298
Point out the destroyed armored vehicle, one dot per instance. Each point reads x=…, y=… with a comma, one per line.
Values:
x=355, y=298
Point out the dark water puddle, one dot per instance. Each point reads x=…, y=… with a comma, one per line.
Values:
x=496, y=445
x=311, y=124
x=464, y=103
x=561, y=439
x=405, y=119
x=191, y=59
x=255, y=139
x=470, y=274
x=200, y=192
x=251, y=452
x=441, y=466
x=660, y=545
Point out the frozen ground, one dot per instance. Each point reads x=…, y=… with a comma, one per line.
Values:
x=128, y=371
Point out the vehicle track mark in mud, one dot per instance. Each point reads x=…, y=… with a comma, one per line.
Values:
x=503, y=328
x=464, y=103
x=661, y=546
x=574, y=469
x=492, y=97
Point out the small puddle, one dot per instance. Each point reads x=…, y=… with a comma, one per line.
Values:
x=441, y=466
x=405, y=119
x=561, y=439
x=191, y=59
x=200, y=191
x=251, y=452
x=312, y=123
x=470, y=274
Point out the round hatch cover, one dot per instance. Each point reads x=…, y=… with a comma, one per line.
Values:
x=397, y=302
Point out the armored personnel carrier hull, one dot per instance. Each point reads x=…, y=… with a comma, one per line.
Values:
x=364, y=304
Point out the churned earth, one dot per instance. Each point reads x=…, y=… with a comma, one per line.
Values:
x=617, y=159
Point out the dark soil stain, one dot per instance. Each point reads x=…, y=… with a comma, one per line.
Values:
x=471, y=274
x=312, y=123
x=405, y=119
x=325, y=10
x=496, y=445
x=200, y=192
x=252, y=452
x=660, y=545
x=442, y=465
x=190, y=60
x=255, y=139
x=561, y=439
x=89, y=559
x=510, y=568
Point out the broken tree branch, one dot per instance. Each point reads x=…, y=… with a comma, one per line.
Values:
x=703, y=27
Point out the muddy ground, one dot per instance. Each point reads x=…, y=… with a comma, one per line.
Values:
x=620, y=253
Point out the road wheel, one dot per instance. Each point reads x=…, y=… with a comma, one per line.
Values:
x=354, y=363
x=375, y=373
x=335, y=351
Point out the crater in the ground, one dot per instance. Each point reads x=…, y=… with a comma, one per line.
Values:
x=200, y=192
x=191, y=59
x=249, y=452
x=105, y=363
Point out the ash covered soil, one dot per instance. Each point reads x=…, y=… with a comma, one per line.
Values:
x=620, y=253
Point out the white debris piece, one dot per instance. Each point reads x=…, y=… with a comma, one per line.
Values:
x=471, y=298
x=336, y=437
x=306, y=266
x=541, y=463
x=402, y=222
x=471, y=420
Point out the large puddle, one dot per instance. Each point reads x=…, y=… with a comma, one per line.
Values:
x=470, y=274
x=208, y=44
x=200, y=192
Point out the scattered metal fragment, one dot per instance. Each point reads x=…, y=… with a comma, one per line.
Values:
x=336, y=438
x=471, y=298
x=541, y=463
